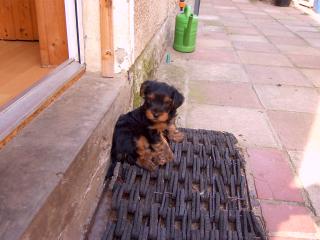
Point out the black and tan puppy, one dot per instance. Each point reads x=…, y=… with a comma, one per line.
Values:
x=140, y=136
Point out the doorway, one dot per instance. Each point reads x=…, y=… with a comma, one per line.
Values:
x=33, y=42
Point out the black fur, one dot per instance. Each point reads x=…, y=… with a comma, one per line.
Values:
x=134, y=124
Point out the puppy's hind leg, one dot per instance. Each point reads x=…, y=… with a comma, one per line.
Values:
x=145, y=154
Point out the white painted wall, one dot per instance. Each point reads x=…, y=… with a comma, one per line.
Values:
x=91, y=35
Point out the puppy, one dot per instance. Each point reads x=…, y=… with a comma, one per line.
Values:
x=140, y=136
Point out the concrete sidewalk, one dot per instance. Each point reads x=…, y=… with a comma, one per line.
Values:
x=256, y=74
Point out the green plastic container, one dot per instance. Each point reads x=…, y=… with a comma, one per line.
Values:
x=185, y=31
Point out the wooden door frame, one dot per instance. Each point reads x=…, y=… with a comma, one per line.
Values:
x=106, y=36
x=53, y=41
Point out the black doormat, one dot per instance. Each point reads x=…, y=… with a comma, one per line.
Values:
x=201, y=195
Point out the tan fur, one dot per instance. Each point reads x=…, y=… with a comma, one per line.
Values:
x=145, y=154
x=173, y=133
x=162, y=150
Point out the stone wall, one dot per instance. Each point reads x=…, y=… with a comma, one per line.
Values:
x=149, y=16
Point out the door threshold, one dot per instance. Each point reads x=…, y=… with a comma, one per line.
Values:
x=21, y=110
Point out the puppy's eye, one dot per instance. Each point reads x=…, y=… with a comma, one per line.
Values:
x=150, y=97
x=168, y=102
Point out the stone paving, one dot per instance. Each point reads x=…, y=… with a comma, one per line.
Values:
x=256, y=74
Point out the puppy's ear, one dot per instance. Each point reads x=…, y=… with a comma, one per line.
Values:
x=177, y=99
x=144, y=88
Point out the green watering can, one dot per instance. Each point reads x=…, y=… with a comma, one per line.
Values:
x=186, y=31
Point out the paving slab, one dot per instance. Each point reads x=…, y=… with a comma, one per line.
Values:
x=223, y=94
x=276, y=32
x=295, y=22
x=235, y=23
x=243, y=30
x=208, y=43
x=263, y=23
x=274, y=179
x=287, y=219
x=308, y=34
x=255, y=46
x=298, y=50
x=288, y=98
x=267, y=59
x=272, y=28
x=248, y=38
x=292, y=128
x=215, y=55
x=206, y=28
x=305, y=61
x=244, y=123
x=280, y=40
x=213, y=35
x=220, y=72
x=303, y=29
x=313, y=75
x=277, y=75
x=314, y=42
x=306, y=165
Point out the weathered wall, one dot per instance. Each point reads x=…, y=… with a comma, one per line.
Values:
x=149, y=16
x=135, y=24
x=123, y=34
x=153, y=33
x=123, y=31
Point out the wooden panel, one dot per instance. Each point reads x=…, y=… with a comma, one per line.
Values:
x=19, y=68
x=7, y=30
x=34, y=19
x=18, y=20
x=22, y=19
x=106, y=32
x=52, y=31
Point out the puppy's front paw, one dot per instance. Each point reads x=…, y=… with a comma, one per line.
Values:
x=163, y=153
x=150, y=166
x=176, y=136
x=160, y=160
x=146, y=164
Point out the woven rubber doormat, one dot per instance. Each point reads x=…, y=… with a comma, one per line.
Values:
x=200, y=195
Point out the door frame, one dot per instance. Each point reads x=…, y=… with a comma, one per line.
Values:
x=60, y=34
x=21, y=110
x=73, y=11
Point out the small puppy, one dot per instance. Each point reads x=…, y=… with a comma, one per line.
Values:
x=140, y=136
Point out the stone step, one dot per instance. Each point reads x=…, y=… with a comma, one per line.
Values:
x=52, y=172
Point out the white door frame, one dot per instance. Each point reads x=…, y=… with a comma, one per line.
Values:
x=73, y=11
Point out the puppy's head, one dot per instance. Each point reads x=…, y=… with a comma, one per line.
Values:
x=160, y=100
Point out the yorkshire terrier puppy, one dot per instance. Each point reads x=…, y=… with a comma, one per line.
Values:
x=141, y=136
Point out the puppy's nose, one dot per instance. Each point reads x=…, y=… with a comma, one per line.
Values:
x=155, y=114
